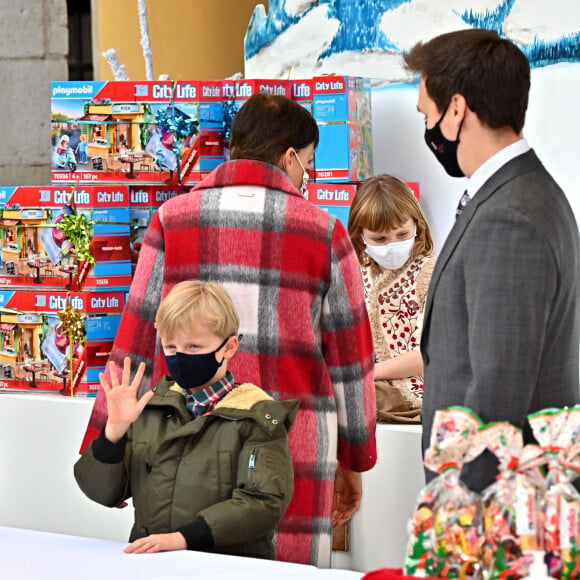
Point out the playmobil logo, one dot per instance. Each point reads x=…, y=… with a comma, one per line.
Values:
x=67, y=91
x=329, y=86
x=186, y=91
x=330, y=195
x=81, y=197
x=301, y=90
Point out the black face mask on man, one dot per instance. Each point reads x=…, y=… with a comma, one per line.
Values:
x=445, y=151
x=193, y=370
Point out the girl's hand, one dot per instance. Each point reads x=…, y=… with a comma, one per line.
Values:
x=157, y=543
x=122, y=404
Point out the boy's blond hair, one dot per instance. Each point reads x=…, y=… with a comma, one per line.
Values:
x=193, y=303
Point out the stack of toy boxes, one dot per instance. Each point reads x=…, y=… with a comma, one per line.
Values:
x=341, y=106
x=40, y=269
x=145, y=201
x=122, y=131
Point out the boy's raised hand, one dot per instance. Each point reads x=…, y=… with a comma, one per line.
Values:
x=122, y=404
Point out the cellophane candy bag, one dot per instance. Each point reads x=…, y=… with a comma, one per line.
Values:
x=445, y=535
x=512, y=518
x=558, y=433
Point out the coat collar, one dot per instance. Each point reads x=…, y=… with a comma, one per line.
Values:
x=249, y=172
x=244, y=401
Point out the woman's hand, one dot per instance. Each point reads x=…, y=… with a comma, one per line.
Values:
x=122, y=404
x=157, y=543
x=347, y=495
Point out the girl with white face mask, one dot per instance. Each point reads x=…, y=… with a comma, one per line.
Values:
x=394, y=247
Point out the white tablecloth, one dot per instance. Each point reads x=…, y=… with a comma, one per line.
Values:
x=48, y=556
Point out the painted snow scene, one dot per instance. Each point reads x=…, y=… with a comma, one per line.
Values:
x=302, y=38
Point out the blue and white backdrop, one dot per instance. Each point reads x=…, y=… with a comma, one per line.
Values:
x=302, y=38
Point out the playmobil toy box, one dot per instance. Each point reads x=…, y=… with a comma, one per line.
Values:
x=207, y=149
x=342, y=108
x=344, y=153
x=336, y=198
x=342, y=99
x=56, y=341
x=145, y=201
x=65, y=237
x=142, y=131
x=302, y=91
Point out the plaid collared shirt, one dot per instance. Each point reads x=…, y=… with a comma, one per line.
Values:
x=202, y=402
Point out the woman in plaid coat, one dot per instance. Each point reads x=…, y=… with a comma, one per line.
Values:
x=294, y=277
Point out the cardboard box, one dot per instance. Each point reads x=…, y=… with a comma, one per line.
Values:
x=145, y=201
x=342, y=109
x=334, y=99
x=302, y=91
x=336, y=198
x=344, y=153
x=34, y=252
x=121, y=130
x=35, y=350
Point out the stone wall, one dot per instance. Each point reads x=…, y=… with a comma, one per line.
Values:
x=33, y=52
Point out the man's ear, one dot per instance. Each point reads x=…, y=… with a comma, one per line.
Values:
x=458, y=106
x=231, y=347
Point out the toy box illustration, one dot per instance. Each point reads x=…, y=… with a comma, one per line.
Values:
x=145, y=201
x=38, y=349
x=36, y=229
x=336, y=198
x=144, y=131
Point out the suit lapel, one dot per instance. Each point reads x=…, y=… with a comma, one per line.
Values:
x=515, y=167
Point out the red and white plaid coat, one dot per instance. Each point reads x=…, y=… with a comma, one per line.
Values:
x=295, y=280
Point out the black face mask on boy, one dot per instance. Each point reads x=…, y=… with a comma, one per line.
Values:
x=445, y=151
x=193, y=370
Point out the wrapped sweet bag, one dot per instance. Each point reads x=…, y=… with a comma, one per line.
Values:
x=512, y=518
x=445, y=532
x=558, y=433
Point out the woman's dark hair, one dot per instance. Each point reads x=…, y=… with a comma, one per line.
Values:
x=267, y=125
x=491, y=73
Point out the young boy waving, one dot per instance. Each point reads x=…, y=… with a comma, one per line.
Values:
x=205, y=460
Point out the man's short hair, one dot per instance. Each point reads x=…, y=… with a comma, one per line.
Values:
x=491, y=73
x=193, y=303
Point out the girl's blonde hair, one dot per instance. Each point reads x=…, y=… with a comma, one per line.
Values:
x=381, y=203
x=193, y=303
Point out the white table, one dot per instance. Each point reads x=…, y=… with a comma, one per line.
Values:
x=47, y=556
x=40, y=437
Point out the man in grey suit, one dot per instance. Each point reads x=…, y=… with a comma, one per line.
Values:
x=501, y=323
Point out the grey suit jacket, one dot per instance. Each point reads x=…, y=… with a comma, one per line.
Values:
x=501, y=323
